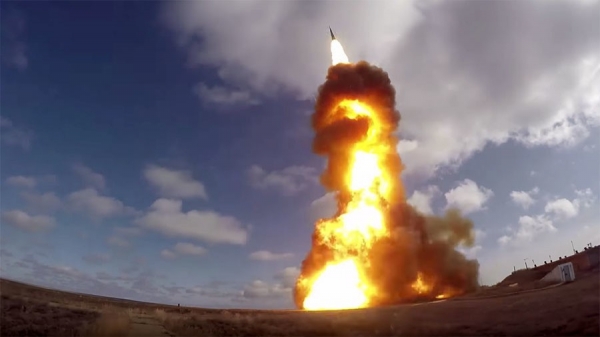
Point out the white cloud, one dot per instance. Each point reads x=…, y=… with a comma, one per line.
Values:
x=183, y=248
x=288, y=181
x=67, y=270
x=167, y=254
x=186, y=248
x=585, y=198
x=288, y=276
x=42, y=202
x=323, y=208
x=524, y=199
x=89, y=177
x=259, y=64
x=15, y=136
x=118, y=242
x=47, y=202
x=174, y=183
x=265, y=255
x=261, y=289
x=529, y=226
x=165, y=216
x=422, y=199
x=127, y=231
x=454, y=94
x=473, y=252
x=224, y=96
x=504, y=239
x=89, y=201
x=555, y=211
x=284, y=282
x=589, y=148
x=468, y=197
x=21, y=181
x=575, y=115
x=407, y=146
x=31, y=223
x=562, y=208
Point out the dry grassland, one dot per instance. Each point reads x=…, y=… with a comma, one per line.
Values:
x=571, y=309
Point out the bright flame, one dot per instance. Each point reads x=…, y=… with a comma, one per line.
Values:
x=364, y=171
x=337, y=53
x=338, y=287
x=370, y=187
x=420, y=286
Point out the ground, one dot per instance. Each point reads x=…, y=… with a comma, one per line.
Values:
x=530, y=309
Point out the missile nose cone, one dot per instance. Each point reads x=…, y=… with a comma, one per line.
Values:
x=331, y=32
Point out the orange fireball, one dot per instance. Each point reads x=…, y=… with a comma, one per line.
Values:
x=375, y=250
x=342, y=284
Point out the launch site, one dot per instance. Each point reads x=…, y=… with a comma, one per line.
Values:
x=201, y=168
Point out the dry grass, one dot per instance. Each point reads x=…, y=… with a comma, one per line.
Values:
x=161, y=314
x=572, y=309
x=24, y=317
x=112, y=322
x=258, y=323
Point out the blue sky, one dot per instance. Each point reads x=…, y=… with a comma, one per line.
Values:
x=162, y=151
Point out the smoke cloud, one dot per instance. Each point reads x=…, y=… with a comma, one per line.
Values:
x=417, y=244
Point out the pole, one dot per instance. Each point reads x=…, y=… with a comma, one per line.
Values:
x=525, y=259
x=572, y=246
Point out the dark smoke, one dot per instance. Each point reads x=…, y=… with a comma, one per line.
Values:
x=426, y=245
x=418, y=244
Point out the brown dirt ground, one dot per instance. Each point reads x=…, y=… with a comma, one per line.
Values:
x=147, y=326
x=571, y=309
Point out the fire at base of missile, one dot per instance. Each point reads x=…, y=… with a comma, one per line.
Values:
x=376, y=249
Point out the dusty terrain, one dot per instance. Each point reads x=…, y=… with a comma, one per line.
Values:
x=526, y=310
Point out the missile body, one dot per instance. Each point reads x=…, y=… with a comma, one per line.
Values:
x=331, y=32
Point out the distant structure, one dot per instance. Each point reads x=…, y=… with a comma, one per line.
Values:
x=588, y=258
x=561, y=273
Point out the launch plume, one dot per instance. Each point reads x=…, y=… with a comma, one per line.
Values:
x=337, y=53
x=377, y=249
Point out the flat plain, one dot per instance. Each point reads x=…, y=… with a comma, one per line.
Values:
x=521, y=309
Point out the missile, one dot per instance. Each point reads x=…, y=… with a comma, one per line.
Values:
x=331, y=32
